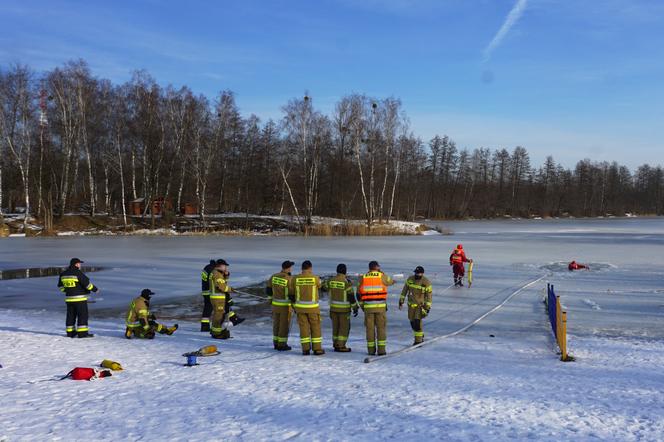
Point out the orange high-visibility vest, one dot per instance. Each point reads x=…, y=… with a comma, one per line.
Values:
x=372, y=287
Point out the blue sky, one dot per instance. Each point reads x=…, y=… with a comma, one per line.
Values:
x=574, y=79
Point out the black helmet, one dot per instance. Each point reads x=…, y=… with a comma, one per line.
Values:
x=341, y=268
x=307, y=265
x=74, y=261
x=221, y=262
x=373, y=265
x=147, y=293
x=419, y=269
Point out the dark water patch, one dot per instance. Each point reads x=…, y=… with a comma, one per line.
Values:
x=40, y=272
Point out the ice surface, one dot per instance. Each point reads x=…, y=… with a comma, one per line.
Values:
x=472, y=386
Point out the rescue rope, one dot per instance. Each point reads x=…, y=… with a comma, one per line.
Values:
x=250, y=294
x=459, y=331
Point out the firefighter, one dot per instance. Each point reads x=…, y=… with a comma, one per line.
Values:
x=303, y=293
x=342, y=300
x=207, y=305
x=205, y=292
x=372, y=291
x=76, y=287
x=219, y=290
x=418, y=289
x=140, y=322
x=457, y=258
x=276, y=290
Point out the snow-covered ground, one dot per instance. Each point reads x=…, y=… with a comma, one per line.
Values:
x=499, y=380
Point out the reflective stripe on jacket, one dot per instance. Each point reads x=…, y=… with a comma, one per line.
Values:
x=278, y=283
x=373, y=289
x=303, y=291
x=341, y=294
x=75, y=285
x=218, y=285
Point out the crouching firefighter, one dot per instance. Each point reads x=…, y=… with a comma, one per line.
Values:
x=76, y=287
x=342, y=300
x=276, y=290
x=207, y=305
x=418, y=290
x=141, y=323
x=219, y=292
x=372, y=290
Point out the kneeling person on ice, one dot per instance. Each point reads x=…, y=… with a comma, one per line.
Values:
x=76, y=287
x=457, y=258
x=372, y=291
x=141, y=323
x=342, y=300
x=219, y=290
x=303, y=293
x=418, y=289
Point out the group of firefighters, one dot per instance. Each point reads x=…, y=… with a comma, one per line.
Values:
x=287, y=294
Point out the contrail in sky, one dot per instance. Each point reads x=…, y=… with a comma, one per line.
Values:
x=512, y=18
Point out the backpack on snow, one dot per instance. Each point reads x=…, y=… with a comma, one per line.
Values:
x=87, y=374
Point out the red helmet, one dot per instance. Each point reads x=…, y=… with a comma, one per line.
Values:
x=459, y=246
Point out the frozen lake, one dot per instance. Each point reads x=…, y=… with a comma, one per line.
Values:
x=627, y=255
x=499, y=380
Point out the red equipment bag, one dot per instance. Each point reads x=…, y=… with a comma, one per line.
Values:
x=87, y=374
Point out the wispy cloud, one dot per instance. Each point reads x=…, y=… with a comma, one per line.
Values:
x=511, y=19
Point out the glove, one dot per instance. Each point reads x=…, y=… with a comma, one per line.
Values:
x=400, y=305
x=227, y=274
x=355, y=311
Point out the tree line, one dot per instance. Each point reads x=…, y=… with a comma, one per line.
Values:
x=73, y=142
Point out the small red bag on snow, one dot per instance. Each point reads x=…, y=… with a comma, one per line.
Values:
x=87, y=374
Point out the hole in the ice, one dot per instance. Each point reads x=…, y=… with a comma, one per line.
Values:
x=592, y=266
x=40, y=272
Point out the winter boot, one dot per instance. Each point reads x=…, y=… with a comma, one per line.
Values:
x=85, y=335
x=236, y=320
x=371, y=351
x=205, y=326
x=342, y=349
x=128, y=333
x=284, y=347
x=381, y=351
x=306, y=352
x=319, y=352
x=170, y=330
x=71, y=334
x=225, y=334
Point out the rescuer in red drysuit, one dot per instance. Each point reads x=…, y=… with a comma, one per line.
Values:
x=457, y=258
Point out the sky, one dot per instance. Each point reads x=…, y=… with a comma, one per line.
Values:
x=573, y=79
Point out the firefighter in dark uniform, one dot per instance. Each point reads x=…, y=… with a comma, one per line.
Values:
x=342, y=300
x=141, y=323
x=205, y=292
x=76, y=287
x=418, y=289
x=207, y=304
x=276, y=290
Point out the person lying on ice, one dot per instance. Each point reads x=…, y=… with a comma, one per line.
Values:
x=457, y=258
x=576, y=266
x=141, y=323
